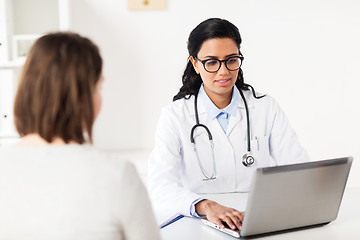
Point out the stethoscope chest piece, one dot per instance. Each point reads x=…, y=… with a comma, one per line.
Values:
x=248, y=159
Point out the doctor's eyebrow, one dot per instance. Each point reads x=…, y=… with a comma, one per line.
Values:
x=227, y=56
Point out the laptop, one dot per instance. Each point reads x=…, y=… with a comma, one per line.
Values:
x=293, y=197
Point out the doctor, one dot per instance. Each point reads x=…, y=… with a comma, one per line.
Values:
x=217, y=131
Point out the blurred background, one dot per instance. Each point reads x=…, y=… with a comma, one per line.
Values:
x=305, y=54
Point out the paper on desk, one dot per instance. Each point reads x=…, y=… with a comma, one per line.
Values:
x=164, y=218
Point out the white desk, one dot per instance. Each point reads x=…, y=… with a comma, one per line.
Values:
x=346, y=226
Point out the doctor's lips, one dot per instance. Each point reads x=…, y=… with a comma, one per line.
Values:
x=223, y=82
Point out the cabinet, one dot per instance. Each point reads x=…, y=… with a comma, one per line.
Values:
x=21, y=23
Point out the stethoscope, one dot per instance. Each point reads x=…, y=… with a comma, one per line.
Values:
x=247, y=159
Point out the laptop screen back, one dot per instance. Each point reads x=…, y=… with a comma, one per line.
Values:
x=293, y=196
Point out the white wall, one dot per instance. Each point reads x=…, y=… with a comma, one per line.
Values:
x=303, y=53
x=29, y=16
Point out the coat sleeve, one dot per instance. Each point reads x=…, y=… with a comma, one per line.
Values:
x=165, y=185
x=138, y=220
x=284, y=144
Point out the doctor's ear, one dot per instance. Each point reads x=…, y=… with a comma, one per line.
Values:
x=195, y=64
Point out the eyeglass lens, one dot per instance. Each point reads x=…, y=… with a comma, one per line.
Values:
x=213, y=65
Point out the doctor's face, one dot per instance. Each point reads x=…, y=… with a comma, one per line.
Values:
x=218, y=85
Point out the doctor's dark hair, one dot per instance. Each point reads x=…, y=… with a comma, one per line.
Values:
x=208, y=29
x=56, y=88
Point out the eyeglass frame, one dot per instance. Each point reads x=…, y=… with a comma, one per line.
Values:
x=221, y=61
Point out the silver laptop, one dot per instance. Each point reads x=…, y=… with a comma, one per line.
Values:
x=293, y=197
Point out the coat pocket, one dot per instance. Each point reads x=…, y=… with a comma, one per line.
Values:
x=261, y=151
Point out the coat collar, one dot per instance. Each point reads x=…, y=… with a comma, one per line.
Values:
x=203, y=111
x=212, y=110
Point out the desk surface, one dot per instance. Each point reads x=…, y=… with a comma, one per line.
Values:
x=346, y=226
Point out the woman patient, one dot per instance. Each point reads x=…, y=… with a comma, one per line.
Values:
x=52, y=184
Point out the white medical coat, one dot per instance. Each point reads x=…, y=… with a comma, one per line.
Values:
x=175, y=178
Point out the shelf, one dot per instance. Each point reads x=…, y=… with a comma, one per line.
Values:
x=9, y=135
x=12, y=64
x=8, y=132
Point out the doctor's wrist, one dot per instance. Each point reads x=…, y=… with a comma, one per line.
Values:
x=204, y=206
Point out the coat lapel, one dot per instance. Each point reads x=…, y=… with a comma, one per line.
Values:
x=240, y=113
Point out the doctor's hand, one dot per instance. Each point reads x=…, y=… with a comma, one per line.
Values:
x=218, y=214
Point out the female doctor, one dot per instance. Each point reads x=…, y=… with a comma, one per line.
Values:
x=216, y=132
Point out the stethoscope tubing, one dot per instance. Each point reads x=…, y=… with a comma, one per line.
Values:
x=247, y=120
x=248, y=159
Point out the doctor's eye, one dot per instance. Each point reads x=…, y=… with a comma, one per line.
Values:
x=212, y=65
x=212, y=62
x=232, y=60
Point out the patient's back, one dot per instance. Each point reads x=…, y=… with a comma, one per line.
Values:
x=71, y=192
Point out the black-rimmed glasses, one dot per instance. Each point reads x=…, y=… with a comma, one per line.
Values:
x=213, y=65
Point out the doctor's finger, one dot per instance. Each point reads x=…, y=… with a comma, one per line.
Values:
x=236, y=221
x=230, y=221
x=219, y=222
x=239, y=215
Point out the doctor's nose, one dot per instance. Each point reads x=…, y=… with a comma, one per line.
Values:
x=223, y=69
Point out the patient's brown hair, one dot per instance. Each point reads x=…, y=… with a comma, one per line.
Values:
x=56, y=87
